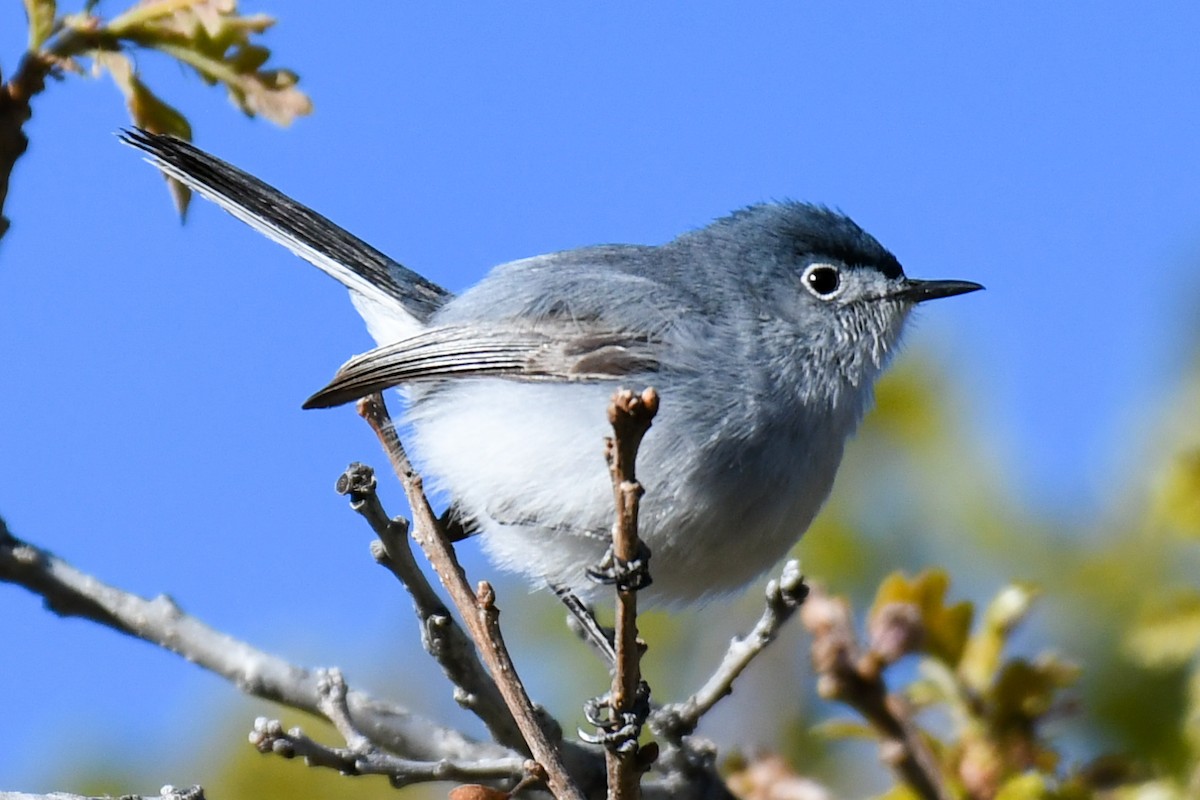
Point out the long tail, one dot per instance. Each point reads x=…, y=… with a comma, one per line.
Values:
x=332, y=249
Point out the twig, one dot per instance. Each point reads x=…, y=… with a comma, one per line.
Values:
x=15, y=96
x=858, y=681
x=441, y=635
x=269, y=736
x=15, y=111
x=630, y=416
x=166, y=793
x=360, y=757
x=784, y=596
x=332, y=692
x=71, y=593
x=478, y=609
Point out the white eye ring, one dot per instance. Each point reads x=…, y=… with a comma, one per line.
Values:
x=823, y=280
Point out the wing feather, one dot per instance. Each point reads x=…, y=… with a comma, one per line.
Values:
x=542, y=354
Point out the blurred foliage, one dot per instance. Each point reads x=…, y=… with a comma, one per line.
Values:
x=1111, y=707
x=992, y=745
x=210, y=37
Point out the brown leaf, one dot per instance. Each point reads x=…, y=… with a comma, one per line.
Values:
x=475, y=791
x=771, y=778
x=272, y=94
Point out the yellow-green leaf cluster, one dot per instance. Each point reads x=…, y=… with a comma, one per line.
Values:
x=214, y=40
x=945, y=627
x=994, y=746
x=210, y=36
x=1025, y=691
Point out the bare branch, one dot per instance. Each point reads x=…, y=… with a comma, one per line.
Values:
x=360, y=757
x=479, y=611
x=166, y=793
x=441, y=636
x=784, y=596
x=630, y=416
x=858, y=681
x=71, y=593
x=15, y=111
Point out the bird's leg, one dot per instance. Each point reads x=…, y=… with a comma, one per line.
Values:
x=596, y=634
x=625, y=575
x=455, y=525
x=620, y=732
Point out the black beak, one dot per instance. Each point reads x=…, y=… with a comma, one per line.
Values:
x=919, y=291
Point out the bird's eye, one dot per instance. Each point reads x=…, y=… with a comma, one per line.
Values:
x=823, y=280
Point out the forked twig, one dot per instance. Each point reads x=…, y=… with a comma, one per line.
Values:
x=441, y=634
x=477, y=608
x=361, y=757
x=784, y=596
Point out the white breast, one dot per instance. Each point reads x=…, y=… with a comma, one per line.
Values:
x=525, y=461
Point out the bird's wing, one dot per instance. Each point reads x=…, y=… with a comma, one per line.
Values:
x=545, y=353
x=329, y=247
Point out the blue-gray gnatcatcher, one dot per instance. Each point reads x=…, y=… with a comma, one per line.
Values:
x=763, y=332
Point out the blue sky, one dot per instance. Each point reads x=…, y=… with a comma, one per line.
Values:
x=151, y=430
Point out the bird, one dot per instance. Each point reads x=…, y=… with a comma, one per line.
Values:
x=763, y=332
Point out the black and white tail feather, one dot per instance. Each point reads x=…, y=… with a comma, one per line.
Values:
x=329, y=247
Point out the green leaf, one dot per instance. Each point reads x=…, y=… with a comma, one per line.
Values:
x=936, y=683
x=1024, y=691
x=1176, y=502
x=1151, y=790
x=946, y=627
x=981, y=658
x=1030, y=786
x=40, y=14
x=1167, y=633
x=844, y=729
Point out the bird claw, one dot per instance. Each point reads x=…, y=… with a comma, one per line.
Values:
x=627, y=576
x=617, y=731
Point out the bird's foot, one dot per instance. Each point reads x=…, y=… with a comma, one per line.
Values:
x=617, y=731
x=627, y=576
